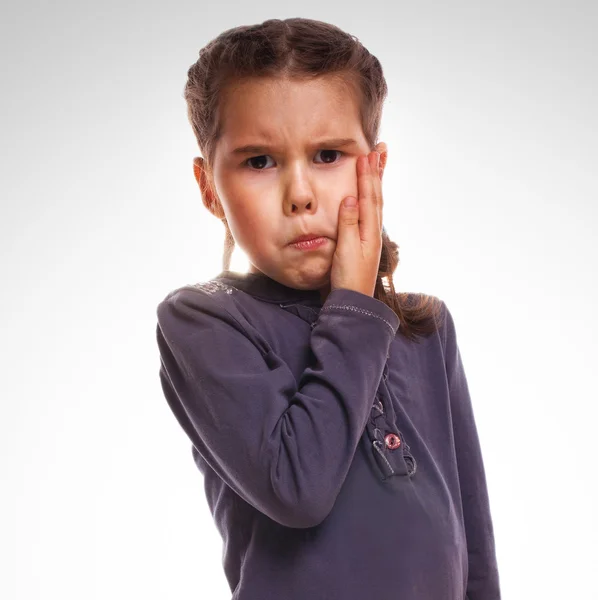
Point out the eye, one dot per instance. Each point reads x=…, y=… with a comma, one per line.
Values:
x=258, y=160
x=329, y=152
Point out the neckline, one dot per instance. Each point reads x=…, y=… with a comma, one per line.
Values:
x=262, y=287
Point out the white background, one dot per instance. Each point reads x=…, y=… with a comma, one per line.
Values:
x=490, y=192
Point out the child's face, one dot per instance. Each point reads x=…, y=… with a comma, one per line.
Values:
x=294, y=183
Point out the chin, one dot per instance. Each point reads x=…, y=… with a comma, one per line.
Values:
x=313, y=279
x=301, y=277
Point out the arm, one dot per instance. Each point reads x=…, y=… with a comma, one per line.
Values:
x=284, y=446
x=483, y=580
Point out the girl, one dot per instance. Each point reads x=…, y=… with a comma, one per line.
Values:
x=329, y=415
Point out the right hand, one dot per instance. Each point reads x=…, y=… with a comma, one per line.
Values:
x=359, y=240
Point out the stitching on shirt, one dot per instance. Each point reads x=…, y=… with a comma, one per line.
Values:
x=412, y=462
x=375, y=443
x=378, y=405
x=211, y=287
x=356, y=309
x=409, y=458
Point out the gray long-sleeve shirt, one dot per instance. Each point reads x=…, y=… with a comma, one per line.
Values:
x=340, y=460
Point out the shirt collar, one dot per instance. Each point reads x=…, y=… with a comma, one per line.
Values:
x=265, y=288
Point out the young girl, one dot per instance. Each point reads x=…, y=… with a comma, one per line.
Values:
x=329, y=415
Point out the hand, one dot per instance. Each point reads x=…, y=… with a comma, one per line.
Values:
x=359, y=240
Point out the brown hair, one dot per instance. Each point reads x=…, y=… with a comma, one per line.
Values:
x=301, y=48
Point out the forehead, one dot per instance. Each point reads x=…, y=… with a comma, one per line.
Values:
x=278, y=110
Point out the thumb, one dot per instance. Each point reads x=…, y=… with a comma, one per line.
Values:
x=349, y=216
x=350, y=202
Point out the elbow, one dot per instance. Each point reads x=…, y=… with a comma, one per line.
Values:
x=301, y=516
x=303, y=510
x=301, y=497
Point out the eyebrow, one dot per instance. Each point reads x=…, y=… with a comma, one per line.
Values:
x=331, y=143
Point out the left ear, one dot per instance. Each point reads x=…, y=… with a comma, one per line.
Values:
x=383, y=150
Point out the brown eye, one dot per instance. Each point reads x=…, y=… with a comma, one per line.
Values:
x=258, y=160
x=329, y=154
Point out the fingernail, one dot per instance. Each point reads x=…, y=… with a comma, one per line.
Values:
x=350, y=202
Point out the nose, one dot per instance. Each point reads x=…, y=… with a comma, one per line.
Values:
x=298, y=190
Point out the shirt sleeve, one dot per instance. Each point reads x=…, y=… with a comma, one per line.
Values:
x=483, y=579
x=285, y=446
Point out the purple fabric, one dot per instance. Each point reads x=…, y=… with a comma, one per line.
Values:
x=340, y=460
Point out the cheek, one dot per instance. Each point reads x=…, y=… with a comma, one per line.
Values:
x=237, y=200
x=249, y=220
x=341, y=184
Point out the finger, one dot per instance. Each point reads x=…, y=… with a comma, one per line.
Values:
x=364, y=196
x=377, y=177
x=368, y=209
x=377, y=183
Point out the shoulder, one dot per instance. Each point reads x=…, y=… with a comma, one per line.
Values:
x=211, y=311
x=210, y=297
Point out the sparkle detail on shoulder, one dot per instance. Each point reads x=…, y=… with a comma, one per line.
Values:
x=211, y=287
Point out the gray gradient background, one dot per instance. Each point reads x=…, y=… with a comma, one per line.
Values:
x=490, y=191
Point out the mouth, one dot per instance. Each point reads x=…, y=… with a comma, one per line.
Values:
x=310, y=243
x=307, y=237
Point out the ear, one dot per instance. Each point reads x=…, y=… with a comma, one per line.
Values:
x=383, y=150
x=208, y=195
